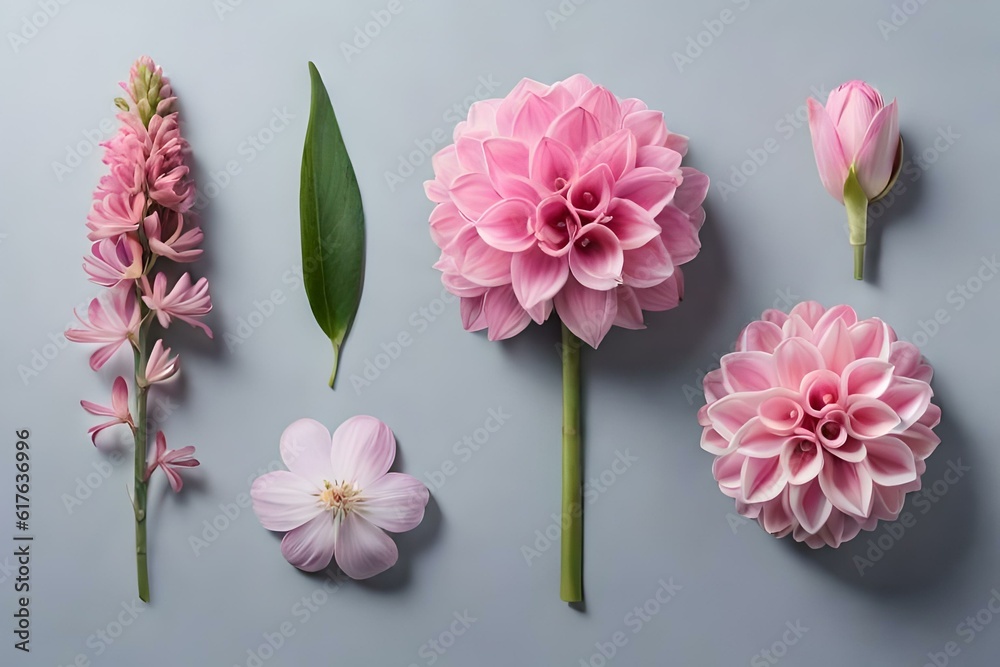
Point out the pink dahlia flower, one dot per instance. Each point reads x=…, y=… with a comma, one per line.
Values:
x=564, y=197
x=820, y=423
x=338, y=496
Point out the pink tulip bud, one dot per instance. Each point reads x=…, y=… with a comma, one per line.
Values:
x=858, y=152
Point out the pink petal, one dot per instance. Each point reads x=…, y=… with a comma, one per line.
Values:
x=852, y=450
x=713, y=443
x=890, y=462
x=473, y=193
x=553, y=164
x=617, y=151
x=605, y=107
x=781, y=413
x=587, y=313
x=478, y=261
x=749, y=371
x=650, y=266
x=305, y=450
x=590, y=194
x=836, y=347
x=847, y=485
x=796, y=327
x=692, y=191
x=866, y=377
x=755, y=440
x=795, y=358
x=730, y=413
x=596, y=259
x=760, y=336
x=871, y=339
x=762, y=479
x=775, y=517
x=810, y=505
x=283, y=500
x=363, y=450
x=648, y=187
x=629, y=315
x=870, y=418
x=503, y=313
x=577, y=129
x=362, y=549
x=663, y=296
x=395, y=502
x=921, y=440
x=633, y=225
x=662, y=158
x=310, y=546
x=727, y=470
x=507, y=225
x=830, y=158
x=908, y=399
x=472, y=313
x=810, y=311
x=533, y=119
x=877, y=155
x=802, y=460
x=680, y=235
x=647, y=126
x=537, y=276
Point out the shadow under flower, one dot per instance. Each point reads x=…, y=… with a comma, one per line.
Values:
x=914, y=558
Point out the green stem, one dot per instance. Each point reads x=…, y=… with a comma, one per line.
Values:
x=571, y=580
x=856, y=203
x=336, y=364
x=141, y=436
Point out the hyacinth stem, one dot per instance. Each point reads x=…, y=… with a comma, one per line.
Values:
x=571, y=579
x=141, y=437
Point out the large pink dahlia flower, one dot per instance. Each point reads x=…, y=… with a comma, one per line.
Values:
x=564, y=196
x=820, y=423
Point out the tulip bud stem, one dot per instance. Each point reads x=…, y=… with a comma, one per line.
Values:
x=856, y=203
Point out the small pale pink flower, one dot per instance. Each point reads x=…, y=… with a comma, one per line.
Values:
x=856, y=128
x=113, y=260
x=820, y=423
x=112, y=321
x=119, y=410
x=168, y=460
x=185, y=301
x=160, y=366
x=338, y=496
x=564, y=198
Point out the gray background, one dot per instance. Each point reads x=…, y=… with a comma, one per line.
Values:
x=777, y=239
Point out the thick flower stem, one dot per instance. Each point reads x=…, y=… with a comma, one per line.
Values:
x=571, y=580
x=141, y=437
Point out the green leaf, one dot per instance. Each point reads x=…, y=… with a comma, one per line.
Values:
x=332, y=223
x=856, y=203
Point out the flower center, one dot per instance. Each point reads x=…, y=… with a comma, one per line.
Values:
x=338, y=497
